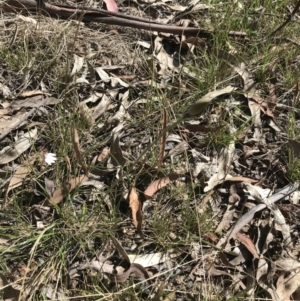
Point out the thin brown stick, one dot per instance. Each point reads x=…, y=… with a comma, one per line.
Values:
x=162, y=140
x=76, y=145
x=288, y=20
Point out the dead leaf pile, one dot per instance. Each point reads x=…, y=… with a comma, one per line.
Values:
x=188, y=171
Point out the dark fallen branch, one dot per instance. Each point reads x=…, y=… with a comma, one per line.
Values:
x=288, y=20
x=103, y=16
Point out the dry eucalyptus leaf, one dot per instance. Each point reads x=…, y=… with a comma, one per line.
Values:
x=149, y=260
x=115, y=82
x=178, y=149
x=253, y=191
x=287, y=264
x=170, y=297
x=165, y=60
x=256, y=115
x=287, y=284
x=158, y=184
x=101, y=108
x=247, y=217
x=31, y=93
x=199, y=106
x=224, y=164
x=246, y=75
x=104, y=155
x=60, y=193
x=99, y=266
x=4, y=112
x=11, y=122
x=230, y=210
x=95, y=183
x=49, y=186
x=280, y=220
x=120, y=249
x=216, y=180
x=78, y=64
x=248, y=243
x=10, y=153
x=34, y=102
x=17, y=179
x=102, y=74
x=116, y=154
x=93, y=98
x=135, y=205
x=5, y=91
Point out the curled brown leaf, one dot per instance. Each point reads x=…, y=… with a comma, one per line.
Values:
x=136, y=208
x=62, y=192
x=158, y=184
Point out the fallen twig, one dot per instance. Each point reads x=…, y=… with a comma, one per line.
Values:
x=106, y=17
x=289, y=18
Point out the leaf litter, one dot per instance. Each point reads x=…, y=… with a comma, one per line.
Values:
x=224, y=156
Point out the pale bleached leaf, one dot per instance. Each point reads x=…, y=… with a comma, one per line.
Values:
x=280, y=220
x=102, y=74
x=247, y=217
x=101, y=108
x=247, y=76
x=95, y=183
x=49, y=186
x=11, y=122
x=5, y=91
x=31, y=93
x=103, y=156
x=78, y=64
x=287, y=264
x=230, y=210
x=224, y=164
x=17, y=179
x=36, y=101
x=287, y=284
x=148, y=260
x=10, y=153
x=27, y=19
